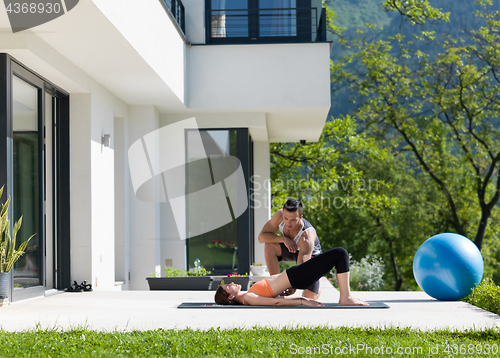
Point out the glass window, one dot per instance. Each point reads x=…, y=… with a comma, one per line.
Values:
x=216, y=249
x=227, y=18
x=26, y=179
x=277, y=18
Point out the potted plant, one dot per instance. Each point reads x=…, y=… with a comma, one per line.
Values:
x=243, y=280
x=258, y=269
x=181, y=280
x=8, y=253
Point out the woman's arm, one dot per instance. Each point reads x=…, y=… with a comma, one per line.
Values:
x=253, y=299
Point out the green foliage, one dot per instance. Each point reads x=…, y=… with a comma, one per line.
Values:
x=491, y=253
x=235, y=274
x=173, y=272
x=221, y=245
x=8, y=253
x=286, y=264
x=415, y=11
x=365, y=275
x=485, y=296
x=443, y=109
x=353, y=17
x=360, y=196
x=417, y=151
x=354, y=13
x=237, y=342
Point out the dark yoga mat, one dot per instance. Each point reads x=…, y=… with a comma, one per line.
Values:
x=326, y=305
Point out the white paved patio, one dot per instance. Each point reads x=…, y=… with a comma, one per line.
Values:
x=147, y=310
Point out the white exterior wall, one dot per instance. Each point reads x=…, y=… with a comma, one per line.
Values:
x=130, y=73
x=259, y=76
x=92, y=188
x=195, y=21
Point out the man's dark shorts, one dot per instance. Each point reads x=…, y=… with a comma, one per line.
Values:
x=288, y=256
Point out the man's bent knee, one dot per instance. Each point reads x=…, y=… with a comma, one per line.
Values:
x=273, y=249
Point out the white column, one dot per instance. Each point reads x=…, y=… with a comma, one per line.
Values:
x=81, y=191
x=92, y=192
x=122, y=198
x=144, y=216
x=262, y=194
x=103, y=198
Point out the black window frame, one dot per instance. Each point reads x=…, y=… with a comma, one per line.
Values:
x=10, y=67
x=245, y=230
x=304, y=21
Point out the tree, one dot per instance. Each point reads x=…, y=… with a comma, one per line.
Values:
x=442, y=108
x=419, y=106
x=357, y=196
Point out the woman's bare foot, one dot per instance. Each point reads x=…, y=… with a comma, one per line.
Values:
x=352, y=301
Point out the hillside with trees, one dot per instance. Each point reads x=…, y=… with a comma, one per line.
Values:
x=416, y=150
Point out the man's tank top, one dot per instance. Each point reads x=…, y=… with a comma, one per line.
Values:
x=306, y=225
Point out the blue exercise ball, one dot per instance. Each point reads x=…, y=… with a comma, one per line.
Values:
x=447, y=266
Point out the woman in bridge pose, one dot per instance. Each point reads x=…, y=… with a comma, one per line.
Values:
x=301, y=276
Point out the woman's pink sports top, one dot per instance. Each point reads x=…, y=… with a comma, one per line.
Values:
x=262, y=288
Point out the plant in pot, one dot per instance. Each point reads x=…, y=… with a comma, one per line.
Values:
x=8, y=253
x=183, y=280
x=258, y=269
x=243, y=280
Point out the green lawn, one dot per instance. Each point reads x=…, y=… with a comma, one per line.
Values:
x=256, y=342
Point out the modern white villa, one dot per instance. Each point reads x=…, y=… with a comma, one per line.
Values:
x=82, y=94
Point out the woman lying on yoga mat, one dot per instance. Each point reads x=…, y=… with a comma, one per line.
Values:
x=301, y=276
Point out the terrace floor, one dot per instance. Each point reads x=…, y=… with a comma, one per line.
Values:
x=149, y=310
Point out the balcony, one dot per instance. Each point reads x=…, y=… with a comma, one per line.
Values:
x=177, y=11
x=270, y=25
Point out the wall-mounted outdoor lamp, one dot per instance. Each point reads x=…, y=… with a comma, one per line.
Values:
x=105, y=140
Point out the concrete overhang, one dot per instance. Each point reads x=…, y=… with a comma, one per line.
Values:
x=84, y=42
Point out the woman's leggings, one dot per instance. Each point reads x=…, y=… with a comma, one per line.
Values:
x=304, y=275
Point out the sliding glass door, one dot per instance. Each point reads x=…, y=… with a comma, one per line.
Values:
x=34, y=167
x=228, y=248
x=27, y=181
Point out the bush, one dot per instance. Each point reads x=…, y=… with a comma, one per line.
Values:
x=485, y=296
x=365, y=275
x=172, y=272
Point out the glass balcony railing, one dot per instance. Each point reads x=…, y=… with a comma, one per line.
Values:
x=266, y=25
x=176, y=9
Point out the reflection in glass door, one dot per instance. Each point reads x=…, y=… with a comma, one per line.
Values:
x=216, y=249
x=227, y=248
x=28, y=270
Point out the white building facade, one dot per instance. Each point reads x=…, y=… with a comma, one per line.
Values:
x=77, y=92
